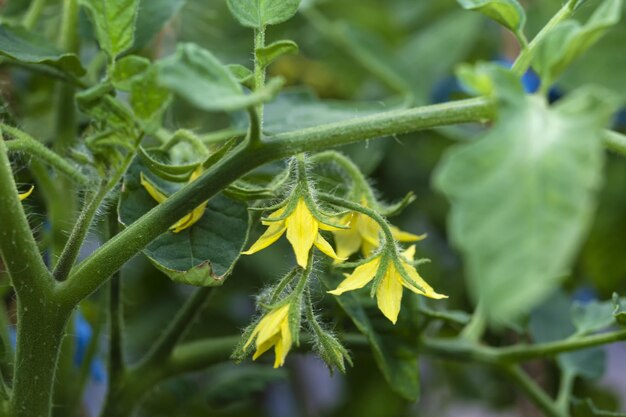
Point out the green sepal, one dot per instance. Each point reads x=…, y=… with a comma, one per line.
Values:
x=168, y=172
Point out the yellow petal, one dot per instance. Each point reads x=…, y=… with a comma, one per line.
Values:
x=27, y=193
x=190, y=219
x=264, y=347
x=326, y=249
x=368, y=228
x=270, y=325
x=389, y=295
x=348, y=241
x=272, y=217
x=271, y=235
x=409, y=253
x=415, y=276
x=302, y=230
x=283, y=345
x=359, y=278
x=152, y=189
x=402, y=236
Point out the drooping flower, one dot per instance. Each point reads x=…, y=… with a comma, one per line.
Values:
x=364, y=233
x=398, y=273
x=272, y=330
x=159, y=196
x=302, y=228
x=22, y=196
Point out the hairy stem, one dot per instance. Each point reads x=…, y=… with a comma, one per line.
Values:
x=96, y=269
x=23, y=142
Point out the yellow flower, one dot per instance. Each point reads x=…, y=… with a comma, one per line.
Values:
x=26, y=194
x=158, y=195
x=389, y=292
x=302, y=229
x=273, y=330
x=364, y=233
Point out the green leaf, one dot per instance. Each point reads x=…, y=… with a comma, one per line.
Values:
x=114, y=22
x=28, y=47
x=268, y=54
x=509, y=13
x=260, y=13
x=570, y=40
x=149, y=100
x=196, y=75
x=394, y=352
x=552, y=322
x=152, y=15
x=202, y=255
x=523, y=197
x=300, y=108
x=127, y=69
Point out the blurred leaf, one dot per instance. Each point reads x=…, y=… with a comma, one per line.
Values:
x=592, y=316
x=570, y=40
x=196, y=75
x=509, y=13
x=552, y=322
x=232, y=383
x=396, y=357
x=260, y=13
x=268, y=54
x=114, y=21
x=152, y=15
x=202, y=255
x=244, y=75
x=523, y=196
x=432, y=53
x=30, y=48
x=299, y=109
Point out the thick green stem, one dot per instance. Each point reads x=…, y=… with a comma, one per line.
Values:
x=39, y=334
x=96, y=269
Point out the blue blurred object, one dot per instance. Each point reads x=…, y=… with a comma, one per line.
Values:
x=446, y=88
x=83, y=334
x=584, y=295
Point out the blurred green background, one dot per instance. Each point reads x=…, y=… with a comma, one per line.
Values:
x=366, y=50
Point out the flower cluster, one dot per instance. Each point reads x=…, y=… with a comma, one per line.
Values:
x=356, y=226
